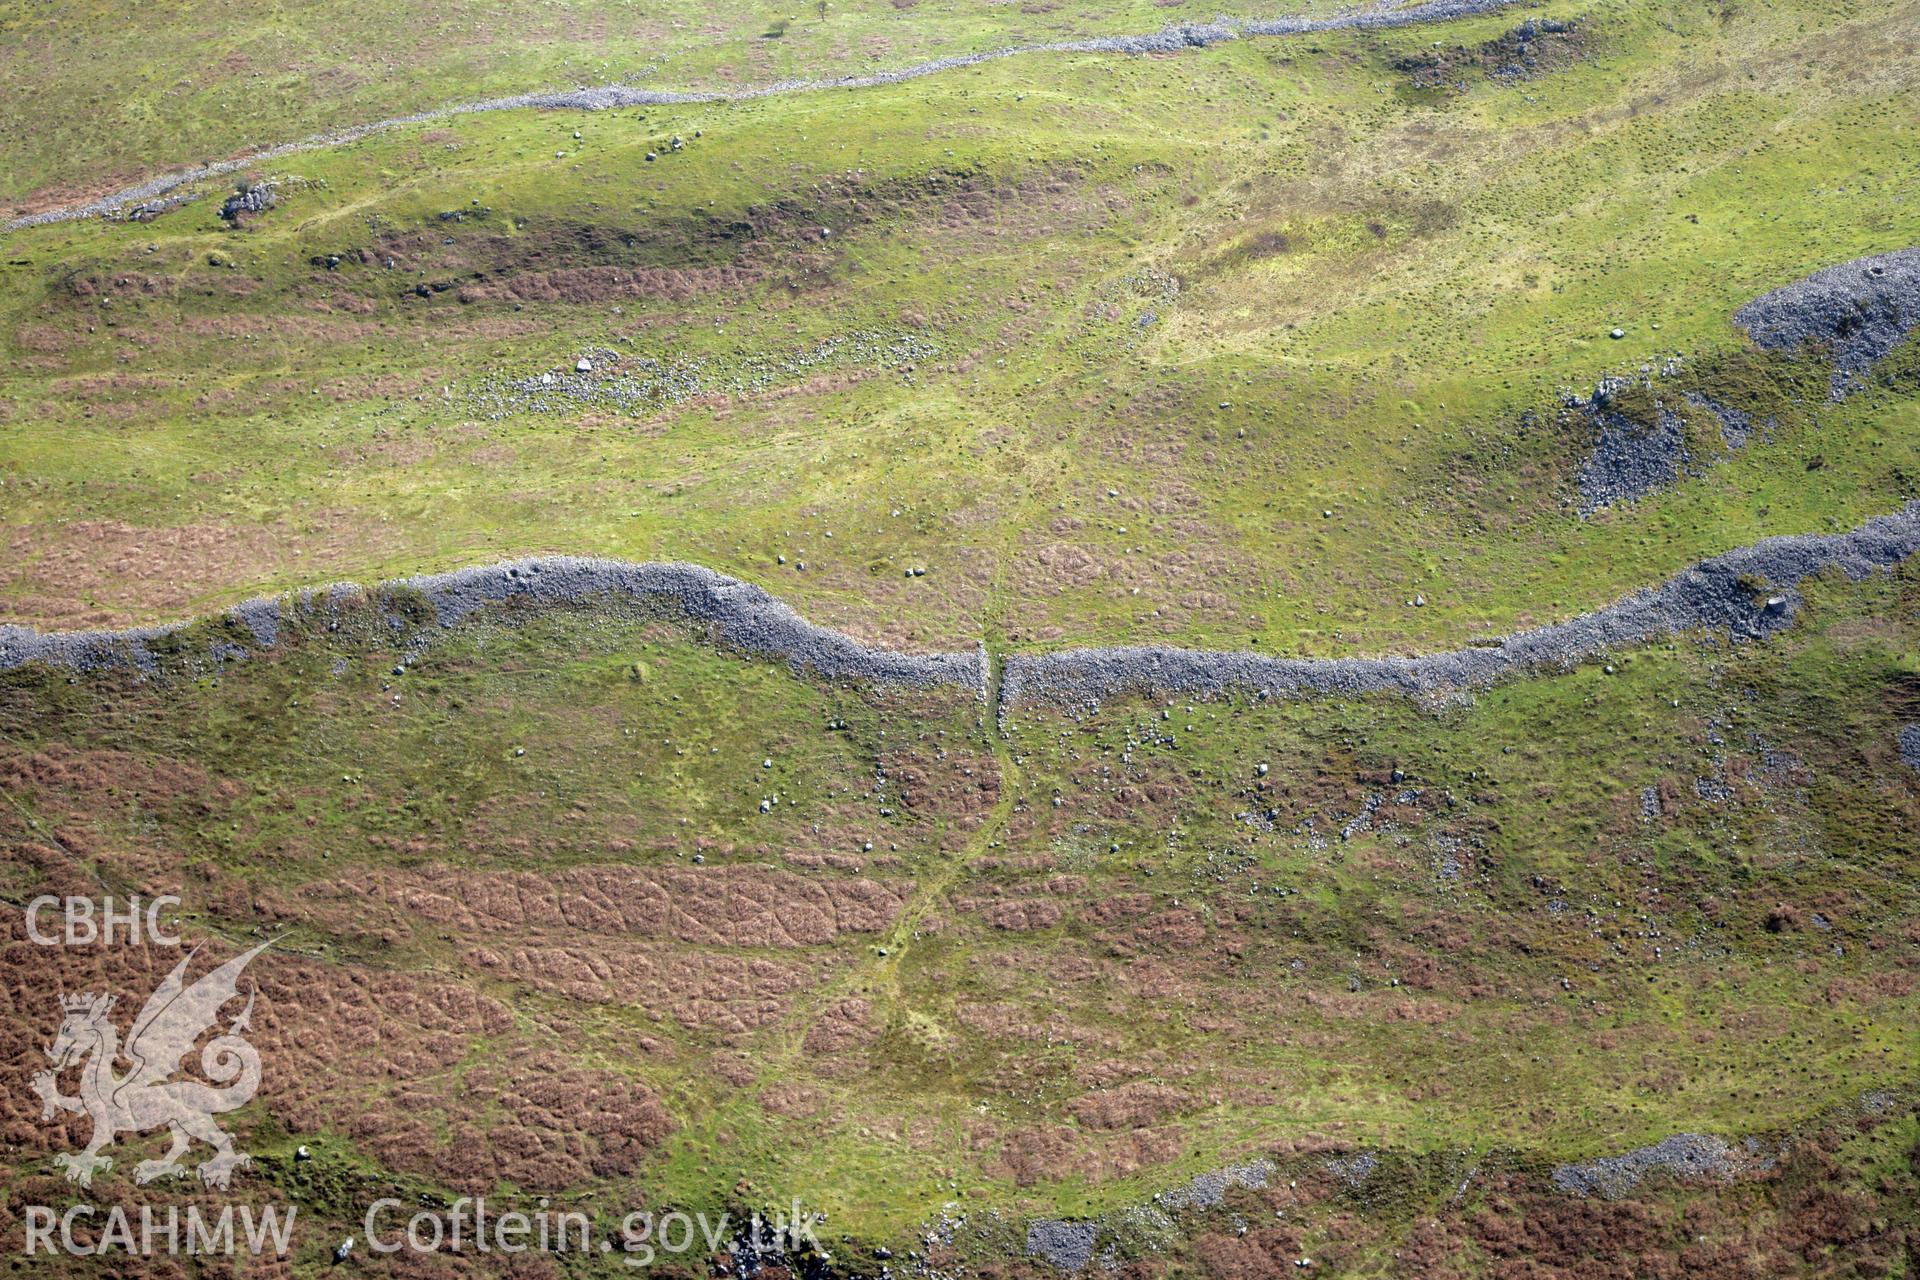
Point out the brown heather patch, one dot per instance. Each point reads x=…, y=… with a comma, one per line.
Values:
x=698, y=256
x=1041, y=1154
x=92, y=779
x=718, y=906
x=1108, y=1072
x=291, y=327
x=1129, y=1106
x=1175, y=928
x=944, y=776
x=559, y=1125
x=107, y=573
x=724, y=994
x=96, y=184
x=792, y=1101
x=1019, y=915
x=842, y=1026
x=1006, y=1020
x=1265, y=1253
x=95, y=807
x=118, y=284
x=392, y=1059
x=100, y=389
x=44, y=339
x=884, y=609
x=603, y=284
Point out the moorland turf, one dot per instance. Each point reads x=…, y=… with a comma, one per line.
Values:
x=1529, y=362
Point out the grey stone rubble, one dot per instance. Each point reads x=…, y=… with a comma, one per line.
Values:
x=1857, y=312
x=1148, y=1228
x=1714, y=594
x=1910, y=745
x=1363, y=820
x=742, y=616
x=1687, y=1156
x=1629, y=460
x=253, y=199
x=641, y=384
x=151, y=209
x=1860, y=310
x=1068, y=1245
x=607, y=97
x=1356, y=1170
x=1736, y=425
x=1522, y=64
x=1209, y=1190
x=1708, y=595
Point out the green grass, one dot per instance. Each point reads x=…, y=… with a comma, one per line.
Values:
x=119, y=97
x=1178, y=308
x=271, y=424
x=1338, y=1010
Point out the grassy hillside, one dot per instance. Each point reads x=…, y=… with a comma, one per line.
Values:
x=1030, y=297
x=1310, y=345
x=1046, y=971
x=119, y=93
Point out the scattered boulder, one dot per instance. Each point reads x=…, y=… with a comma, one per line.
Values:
x=248, y=200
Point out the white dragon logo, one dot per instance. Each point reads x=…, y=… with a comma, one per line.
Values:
x=145, y=1098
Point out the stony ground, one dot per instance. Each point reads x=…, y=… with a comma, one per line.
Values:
x=1243, y=645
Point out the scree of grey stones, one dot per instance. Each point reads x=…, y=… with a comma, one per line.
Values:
x=1859, y=311
x=254, y=199
x=1067, y=1245
x=1629, y=460
x=741, y=615
x=1910, y=745
x=1715, y=594
x=1710, y=595
x=606, y=97
x=1855, y=313
x=1736, y=425
x=1209, y=1190
x=1687, y=1156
